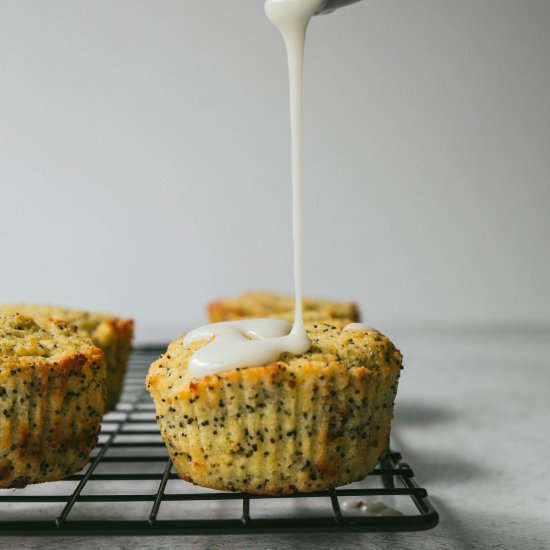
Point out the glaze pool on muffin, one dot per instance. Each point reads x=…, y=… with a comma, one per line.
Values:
x=300, y=424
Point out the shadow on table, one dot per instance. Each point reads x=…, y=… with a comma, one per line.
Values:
x=431, y=467
x=411, y=413
x=442, y=467
x=437, y=469
x=469, y=531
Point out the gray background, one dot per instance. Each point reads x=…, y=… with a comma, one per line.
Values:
x=144, y=158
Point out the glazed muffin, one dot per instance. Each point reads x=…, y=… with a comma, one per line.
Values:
x=112, y=334
x=52, y=398
x=280, y=306
x=303, y=423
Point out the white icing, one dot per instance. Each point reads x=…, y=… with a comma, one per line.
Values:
x=256, y=342
x=291, y=17
x=370, y=507
x=355, y=326
x=246, y=343
x=380, y=509
x=352, y=504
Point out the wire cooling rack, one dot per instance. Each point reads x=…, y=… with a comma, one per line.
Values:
x=129, y=488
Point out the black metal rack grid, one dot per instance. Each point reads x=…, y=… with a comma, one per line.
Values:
x=131, y=453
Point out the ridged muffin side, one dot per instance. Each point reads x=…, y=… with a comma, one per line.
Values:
x=112, y=334
x=281, y=306
x=52, y=400
x=302, y=424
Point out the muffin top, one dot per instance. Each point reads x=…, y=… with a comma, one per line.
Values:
x=332, y=342
x=281, y=306
x=24, y=342
x=89, y=323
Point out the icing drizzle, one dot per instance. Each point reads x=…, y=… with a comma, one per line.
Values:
x=256, y=342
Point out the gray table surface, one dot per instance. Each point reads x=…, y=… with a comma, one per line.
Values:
x=472, y=419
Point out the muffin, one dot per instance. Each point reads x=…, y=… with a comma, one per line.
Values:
x=281, y=306
x=112, y=334
x=52, y=397
x=303, y=423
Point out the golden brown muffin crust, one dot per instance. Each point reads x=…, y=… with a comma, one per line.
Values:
x=281, y=306
x=52, y=399
x=112, y=334
x=303, y=423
